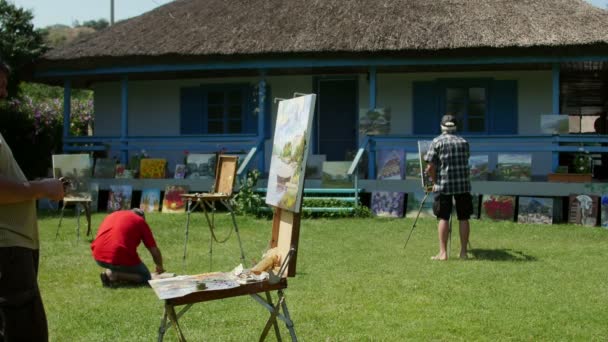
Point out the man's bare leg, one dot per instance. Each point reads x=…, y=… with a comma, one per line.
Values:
x=443, y=228
x=464, y=237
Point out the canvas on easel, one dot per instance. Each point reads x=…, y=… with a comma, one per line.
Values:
x=289, y=153
x=77, y=168
x=423, y=148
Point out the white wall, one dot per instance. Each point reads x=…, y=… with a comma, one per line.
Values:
x=154, y=105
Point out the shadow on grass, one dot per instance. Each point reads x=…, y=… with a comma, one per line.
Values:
x=501, y=255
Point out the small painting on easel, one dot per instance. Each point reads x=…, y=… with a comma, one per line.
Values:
x=76, y=168
x=289, y=152
x=423, y=148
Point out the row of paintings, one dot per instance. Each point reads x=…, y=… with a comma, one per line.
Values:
x=120, y=198
x=197, y=166
x=511, y=167
x=583, y=209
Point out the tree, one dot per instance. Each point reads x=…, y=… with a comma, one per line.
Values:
x=97, y=25
x=20, y=44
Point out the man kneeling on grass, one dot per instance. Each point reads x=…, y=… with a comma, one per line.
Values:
x=115, y=248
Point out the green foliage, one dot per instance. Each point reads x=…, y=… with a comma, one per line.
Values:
x=32, y=150
x=359, y=211
x=248, y=201
x=20, y=44
x=97, y=25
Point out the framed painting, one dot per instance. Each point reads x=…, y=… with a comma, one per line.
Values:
x=538, y=210
x=200, y=165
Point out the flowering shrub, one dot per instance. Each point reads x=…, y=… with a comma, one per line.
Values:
x=48, y=114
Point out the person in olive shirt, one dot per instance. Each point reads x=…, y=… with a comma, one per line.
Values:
x=22, y=316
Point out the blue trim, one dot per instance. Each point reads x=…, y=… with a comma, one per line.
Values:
x=555, y=87
x=262, y=111
x=372, y=87
x=320, y=63
x=124, y=117
x=67, y=108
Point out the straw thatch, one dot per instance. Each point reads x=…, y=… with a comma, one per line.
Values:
x=198, y=28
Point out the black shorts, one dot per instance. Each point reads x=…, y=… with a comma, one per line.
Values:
x=442, y=207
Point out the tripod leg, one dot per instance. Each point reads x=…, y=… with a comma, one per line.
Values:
x=416, y=219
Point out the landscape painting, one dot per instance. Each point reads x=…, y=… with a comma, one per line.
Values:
x=554, y=124
x=200, y=165
x=119, y=197
x=150, y=200
x=289, y=152
x=478, y=164
x=335, y=175
x=423, y=148
x=515, y=167
x=375, y=121
x=76, y=168
x=498, y=207
x=412, y=166
x=537, y=210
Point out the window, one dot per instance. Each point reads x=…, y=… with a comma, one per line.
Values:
x=217, y=109
x=469, y=105
x=483, y=106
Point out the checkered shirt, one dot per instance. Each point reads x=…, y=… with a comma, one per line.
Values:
x=450, y=155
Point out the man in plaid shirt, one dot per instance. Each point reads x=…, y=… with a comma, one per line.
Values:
x=448, y=168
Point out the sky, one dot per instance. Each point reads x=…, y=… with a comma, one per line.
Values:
x=51, y=12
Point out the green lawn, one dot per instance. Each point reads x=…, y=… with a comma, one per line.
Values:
x=355, y=282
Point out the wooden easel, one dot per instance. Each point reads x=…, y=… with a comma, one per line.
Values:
x=86, y=205
x=225, y=176
x=285, y=236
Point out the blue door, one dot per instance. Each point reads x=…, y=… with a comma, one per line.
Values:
x=337, y=118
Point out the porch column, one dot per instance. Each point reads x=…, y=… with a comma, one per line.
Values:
x=372, y=87
x=67, y=110
x=124, y=119
x=555, y=107
x=261, y=118
x=371, y=162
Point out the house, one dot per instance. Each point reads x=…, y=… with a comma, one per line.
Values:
x=202, y=76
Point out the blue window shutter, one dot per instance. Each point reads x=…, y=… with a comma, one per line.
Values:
x=268, y=113
x=426, y=108
x=503, y=107
x=191, y=110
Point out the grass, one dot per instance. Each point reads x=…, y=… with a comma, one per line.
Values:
x=355, y=282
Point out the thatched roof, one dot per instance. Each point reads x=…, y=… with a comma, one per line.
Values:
x=196, y=28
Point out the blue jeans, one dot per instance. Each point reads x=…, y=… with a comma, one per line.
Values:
x=140, y=269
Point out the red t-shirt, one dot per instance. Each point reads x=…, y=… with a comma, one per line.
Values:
x=118, y=237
